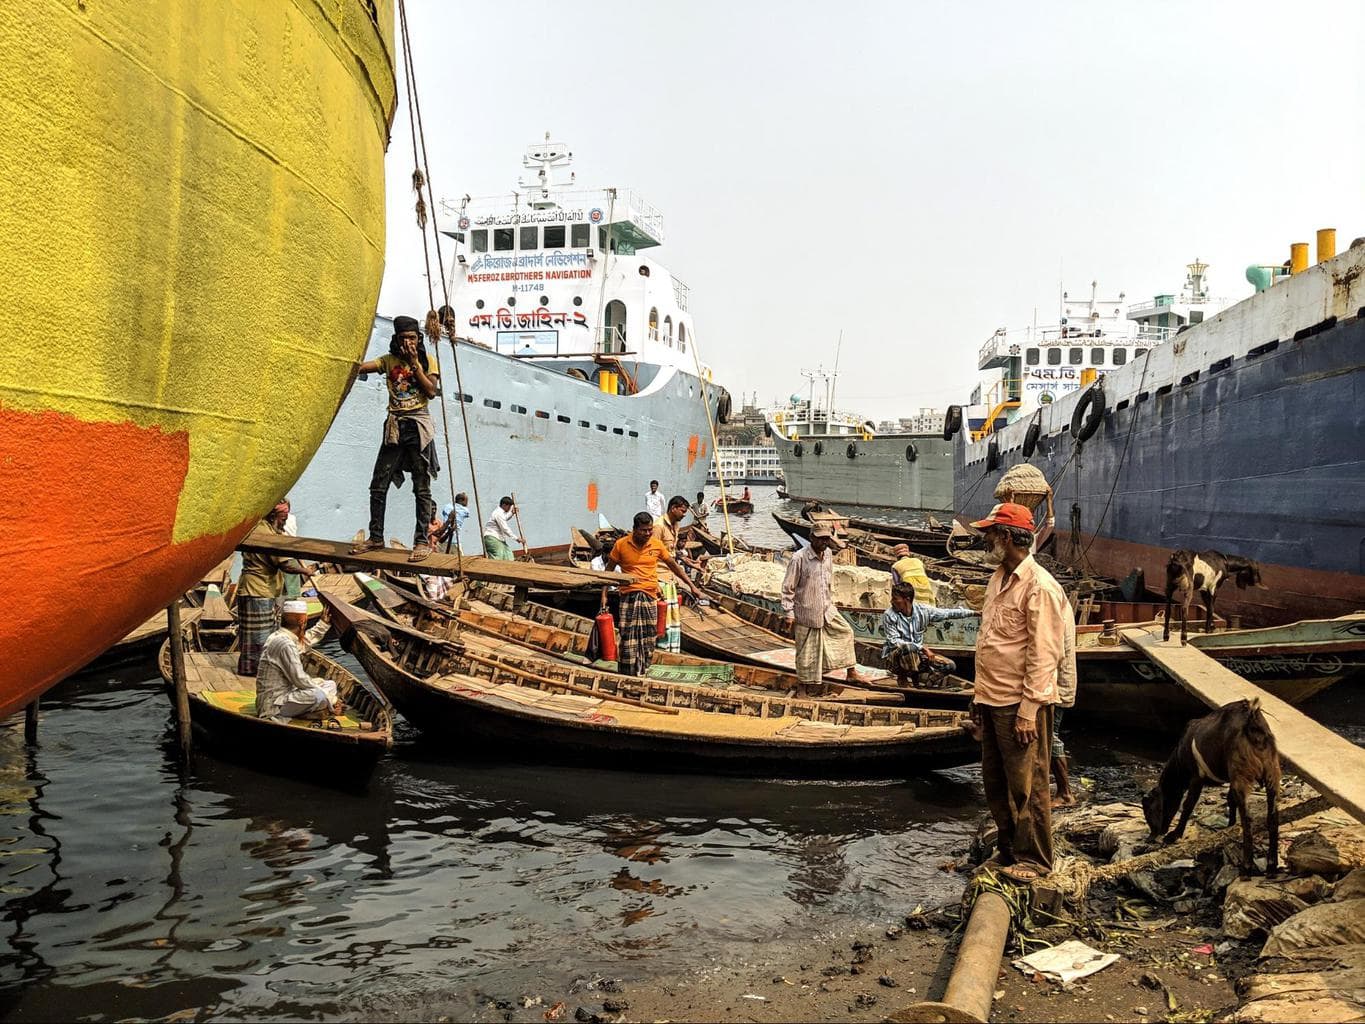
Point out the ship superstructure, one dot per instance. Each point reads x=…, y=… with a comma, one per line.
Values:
x=580, y=382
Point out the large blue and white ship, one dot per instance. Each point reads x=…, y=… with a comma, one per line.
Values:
x=578, y=377
x=1237, y=429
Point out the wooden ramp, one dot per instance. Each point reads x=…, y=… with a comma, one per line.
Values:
x=1332, y=764
x=489, y=570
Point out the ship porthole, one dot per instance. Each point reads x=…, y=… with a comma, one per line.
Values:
x=578, y=300
x=478, y=304
x=545, y=300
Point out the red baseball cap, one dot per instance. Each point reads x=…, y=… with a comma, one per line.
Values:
x=1007, y=513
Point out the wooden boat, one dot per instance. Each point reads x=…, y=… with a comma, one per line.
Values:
x=927, y=543
x=734, y=506
x=467, y=694
x=546, y=635
x=343, y=750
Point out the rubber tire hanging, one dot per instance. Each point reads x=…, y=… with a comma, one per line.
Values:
x=851, y=451
x=1031, y=436
x=819, y=447
x=798, y=451
x=952, y=422
x=911, y=453
x=992, y=456
x=1088, y=415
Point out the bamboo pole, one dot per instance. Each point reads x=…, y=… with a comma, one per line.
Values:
x=715, y=446
x=31, y=724
x=182, y=697
x=516, y=513
x=971, y=986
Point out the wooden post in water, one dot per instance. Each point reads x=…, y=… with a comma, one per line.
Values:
x=31, y=724
x=971, y=986
x=182, y=697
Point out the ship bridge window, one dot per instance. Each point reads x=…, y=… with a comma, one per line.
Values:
x=653, y=324
x=1075, y=356
x=682, y=336
x=504, y=239
x=579, y=235
x=668, y=331
x=1031, y=357
x=478, y=240
x=1054, y=357
x=1097, y=357
x=554, y=236
x=1120, y=356
x=530, y=237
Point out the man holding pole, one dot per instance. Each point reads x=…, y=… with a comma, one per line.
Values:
x=498, y=535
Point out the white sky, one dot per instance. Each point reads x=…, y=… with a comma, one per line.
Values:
x=912, y=174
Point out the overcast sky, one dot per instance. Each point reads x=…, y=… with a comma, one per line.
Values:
x=913, y=175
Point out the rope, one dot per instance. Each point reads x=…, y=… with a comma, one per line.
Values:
x=1147, y=359
x=715, y=447
x=421, y=176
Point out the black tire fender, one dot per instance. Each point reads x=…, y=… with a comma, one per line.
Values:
x=798, y=450
x=952, y=422
x=819, y=447
x=911, y=453
x=992, y=456
x=1031, y=436
x=851, y=451
x=1089, y=412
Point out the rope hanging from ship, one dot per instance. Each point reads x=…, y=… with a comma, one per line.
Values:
x=445, y=320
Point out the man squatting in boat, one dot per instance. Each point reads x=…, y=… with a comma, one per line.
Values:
x=409, y=438
x=824, y=639
x=638, y=554
x=1019, y=656
x=258, y=593
x=903, y=646
x=283, y=689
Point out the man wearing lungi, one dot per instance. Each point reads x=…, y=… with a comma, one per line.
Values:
x=639, y=554
x=258, y=591
x=824, y=639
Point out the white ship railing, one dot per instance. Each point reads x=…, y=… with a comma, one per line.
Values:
x=1102, y=333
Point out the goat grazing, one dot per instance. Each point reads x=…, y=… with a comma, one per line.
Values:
x=1205, y=572
x=1233, y=746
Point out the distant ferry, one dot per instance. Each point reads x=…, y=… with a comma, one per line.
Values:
x=1237, y=429
x=833, y=456
x=578, y=376
x=750, y=464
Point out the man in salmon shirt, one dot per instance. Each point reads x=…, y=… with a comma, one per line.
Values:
x=639, y=554
x=1018, y=652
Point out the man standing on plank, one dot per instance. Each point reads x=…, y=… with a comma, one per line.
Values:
x=824, y=639
x=639, y=554
x=258, y=592
x=409, y=442
x=1019, y=651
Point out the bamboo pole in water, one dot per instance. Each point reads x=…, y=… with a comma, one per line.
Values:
x=182, y=697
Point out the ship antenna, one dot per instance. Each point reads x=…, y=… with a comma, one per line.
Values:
x=834, y=377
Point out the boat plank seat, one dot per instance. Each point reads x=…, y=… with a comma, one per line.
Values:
x=1332, y=764
x=243, y=702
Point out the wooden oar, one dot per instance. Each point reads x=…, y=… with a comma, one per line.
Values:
x=516, y=514
x=571, y=687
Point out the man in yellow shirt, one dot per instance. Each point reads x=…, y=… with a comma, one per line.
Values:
x=1019, y=651
x=409, y=441
x=639, y=554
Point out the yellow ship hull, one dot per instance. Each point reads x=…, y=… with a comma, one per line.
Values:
x=192, y=241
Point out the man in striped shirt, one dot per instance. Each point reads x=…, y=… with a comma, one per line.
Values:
x=1019, y=651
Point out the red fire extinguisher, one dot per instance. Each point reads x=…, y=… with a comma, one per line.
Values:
x=661, y=626
x=606, y=634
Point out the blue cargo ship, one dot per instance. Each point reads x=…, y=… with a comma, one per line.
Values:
x=1241, y=432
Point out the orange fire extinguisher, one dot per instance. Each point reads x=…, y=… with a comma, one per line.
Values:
x=606, y=634
x=661, y=625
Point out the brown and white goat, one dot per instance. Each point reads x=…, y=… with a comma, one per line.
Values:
x=1204, y=572
x=1233, y=746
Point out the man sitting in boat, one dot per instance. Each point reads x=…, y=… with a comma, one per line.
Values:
x=639, y=554
x=903, y=646
x=409, y=440
x=910, y=570
x=824, y=639
x=283, y=689
x=700, y=511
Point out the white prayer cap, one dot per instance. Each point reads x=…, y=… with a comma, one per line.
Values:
x=295, y=608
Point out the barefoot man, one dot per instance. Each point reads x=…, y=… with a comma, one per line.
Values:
x=1018, y=652
x=824, y=639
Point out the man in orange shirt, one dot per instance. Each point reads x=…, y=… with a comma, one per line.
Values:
x=639, y=554
x=1018, y=653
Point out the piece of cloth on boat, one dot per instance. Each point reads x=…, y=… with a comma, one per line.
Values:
x=493, y=547
x=672, y=638
x=641, y=563
x=821, y=649
x=283, y=688
x=908, y=630
x=435, y=587
x=910, y=571
x=636, y=633
x=807, y=588
x=1022, y=640
x=404, y=450
x=257, y=618
x=262, y=574
x=405, y=393
x=1016, y=779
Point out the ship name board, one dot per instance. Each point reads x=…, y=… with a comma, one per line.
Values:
x=529, y=217
x=555, y=266
x=1052, y=378
x=538, y=317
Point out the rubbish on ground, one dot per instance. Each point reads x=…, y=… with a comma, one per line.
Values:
x=1066, y=962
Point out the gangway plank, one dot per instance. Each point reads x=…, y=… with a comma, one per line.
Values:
x=487, y=570
x=1332, y=764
